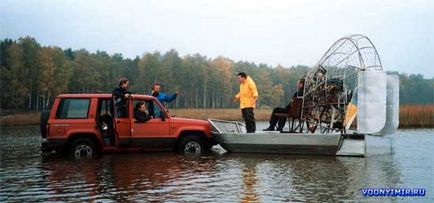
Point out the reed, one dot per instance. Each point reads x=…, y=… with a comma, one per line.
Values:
x=416, y=116
x=410, y=116
x=224, y=114
x=30, y=118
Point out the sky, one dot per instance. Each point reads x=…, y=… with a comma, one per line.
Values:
x=285, y=32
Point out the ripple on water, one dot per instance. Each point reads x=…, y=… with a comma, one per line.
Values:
x=25, y=175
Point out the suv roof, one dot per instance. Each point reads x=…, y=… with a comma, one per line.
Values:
x=134, y=96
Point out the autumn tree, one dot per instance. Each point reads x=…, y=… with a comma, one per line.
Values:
x=31, y=75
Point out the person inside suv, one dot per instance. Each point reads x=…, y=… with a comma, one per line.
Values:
x=141, y=114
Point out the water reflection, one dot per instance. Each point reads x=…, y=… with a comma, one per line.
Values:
x=290, y=178
x=126, y=177
x=283, y=178
x=25, y=175
x=250, y=182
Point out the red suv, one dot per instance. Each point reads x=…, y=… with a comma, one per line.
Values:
x=84, y=125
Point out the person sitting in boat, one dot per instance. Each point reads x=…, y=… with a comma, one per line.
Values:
x=141, y=114
x=281, y=120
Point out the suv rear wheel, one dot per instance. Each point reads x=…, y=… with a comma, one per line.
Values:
x=192, y=145
x=43, y=122
x=82, y=148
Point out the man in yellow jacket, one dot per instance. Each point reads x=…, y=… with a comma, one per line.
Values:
x=247, y=96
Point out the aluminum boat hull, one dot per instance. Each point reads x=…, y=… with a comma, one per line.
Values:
x=281, y=143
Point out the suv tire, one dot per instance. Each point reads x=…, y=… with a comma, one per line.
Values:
x=192, y=145
x=43, y=122
x=82, y=148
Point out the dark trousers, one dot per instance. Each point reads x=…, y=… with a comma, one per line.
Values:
x=249, y=119
x=275, y=119
x=122, y=111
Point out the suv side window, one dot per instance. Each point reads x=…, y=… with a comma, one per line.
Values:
x=73, y=108
x=105, y=107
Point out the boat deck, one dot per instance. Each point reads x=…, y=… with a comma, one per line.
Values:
x=232, y=137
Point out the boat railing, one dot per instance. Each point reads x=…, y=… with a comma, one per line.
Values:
x=224, y=126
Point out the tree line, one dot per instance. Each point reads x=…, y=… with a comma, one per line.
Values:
x=32, y=75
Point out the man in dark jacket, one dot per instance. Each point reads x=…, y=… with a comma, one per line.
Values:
x=274, y=119
x=141, y=113
x=120, y=95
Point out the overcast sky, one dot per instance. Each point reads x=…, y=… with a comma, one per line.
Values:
x=287, y=32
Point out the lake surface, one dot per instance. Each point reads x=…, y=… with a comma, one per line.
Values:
x=402, y=160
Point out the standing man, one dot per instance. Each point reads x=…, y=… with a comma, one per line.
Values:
x=120, y=95
x=161, y=96
x=247, y=96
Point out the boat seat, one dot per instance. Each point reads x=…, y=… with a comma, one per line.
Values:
x=294, y=114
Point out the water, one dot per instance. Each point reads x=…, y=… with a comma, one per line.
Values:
x=26, y=175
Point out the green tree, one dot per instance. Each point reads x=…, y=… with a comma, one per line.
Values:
x=276, y=95
x=84, y=74
x=56, y=69
x=147, y=71
x=32, y=75
x=31, y=68
x=14, y=89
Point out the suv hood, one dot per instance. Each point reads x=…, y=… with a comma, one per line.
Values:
x=188, y=120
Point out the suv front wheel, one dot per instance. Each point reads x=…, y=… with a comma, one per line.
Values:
x=192, y=145
x=82, y=148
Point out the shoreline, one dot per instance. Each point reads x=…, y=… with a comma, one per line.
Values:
x=411, y=116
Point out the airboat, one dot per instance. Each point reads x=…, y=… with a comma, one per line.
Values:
x=347, y=97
